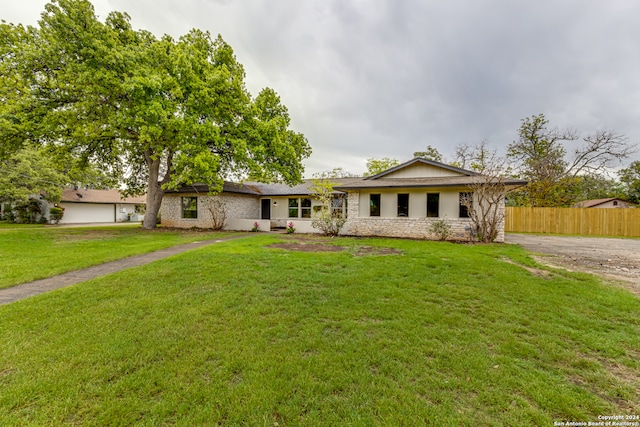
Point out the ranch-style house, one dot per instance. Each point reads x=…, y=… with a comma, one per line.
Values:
x=403, y=201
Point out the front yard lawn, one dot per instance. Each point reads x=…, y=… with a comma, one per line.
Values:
x=384, y=332
x=35, y=252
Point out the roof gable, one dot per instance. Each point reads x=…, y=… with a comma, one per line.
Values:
x=422, y=168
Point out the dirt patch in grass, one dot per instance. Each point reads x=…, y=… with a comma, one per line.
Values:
x=320, y=244
x=373, y=250
x=307, y=247
x=87, y=235
x=537, y=271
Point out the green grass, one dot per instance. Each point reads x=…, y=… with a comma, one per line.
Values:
x=34, y=252
x=242, y=334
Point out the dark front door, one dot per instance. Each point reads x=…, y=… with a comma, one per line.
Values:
x=266, y=209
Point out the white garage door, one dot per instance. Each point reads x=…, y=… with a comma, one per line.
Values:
x=75, y=213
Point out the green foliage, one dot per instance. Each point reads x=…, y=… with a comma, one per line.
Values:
x=16, y=118
x=31, y=254
x=540, y=155
x=541, y=158
x=290, y=228
x=442, y=335
x=30, y=172
x=587, y=187
x=56, y=214
x=156, y=112
x=327, y=219
x=22, y=212
x=441, y=228
x=376, y=166
x=430, y=153
x=630, y=178
x=339, y=172
x=81, y=172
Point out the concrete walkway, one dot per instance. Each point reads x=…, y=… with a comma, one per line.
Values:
x=37, y=287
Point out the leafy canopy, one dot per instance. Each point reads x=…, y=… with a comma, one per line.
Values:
x=28, y=173
x=376, y=166
x=430, y=153
x=156, y=112
x=542, y=157
x=630, y=178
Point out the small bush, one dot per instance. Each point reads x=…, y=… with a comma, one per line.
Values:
x=56, y=214
x=329, y=223
x=441, y=228
x=290, y=228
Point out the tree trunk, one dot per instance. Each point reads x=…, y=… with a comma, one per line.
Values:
x=154, y=194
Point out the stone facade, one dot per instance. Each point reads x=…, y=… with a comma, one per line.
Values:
x=414, y=228
x=237, y=206
x=244, y=210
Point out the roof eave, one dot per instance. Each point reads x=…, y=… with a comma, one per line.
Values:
x=513, y=184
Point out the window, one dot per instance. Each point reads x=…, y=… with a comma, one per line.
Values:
x=466, y=200
x=403, y=205
x=189, y=207
x=433, y=205
x=299, y=208
x=615, y=203
x=293, y=208
x=374, y=205
x=338, y=206
x=306, y=208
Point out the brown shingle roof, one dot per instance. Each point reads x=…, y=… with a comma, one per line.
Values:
x=229, y=187
x=344, y=184
x=262, y=189
x=596, y=202
x=83, y=195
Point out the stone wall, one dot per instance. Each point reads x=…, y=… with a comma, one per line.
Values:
x=415, y=228
x=237, y=206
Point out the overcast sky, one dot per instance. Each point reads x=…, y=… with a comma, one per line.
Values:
x=386, y=78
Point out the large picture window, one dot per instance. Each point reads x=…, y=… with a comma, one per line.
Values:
x=433, y=205
x=189, y=207
x=403, y=205
x=374, y=205
x=466, y=201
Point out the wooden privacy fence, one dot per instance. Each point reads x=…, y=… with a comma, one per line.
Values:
x=585, y=221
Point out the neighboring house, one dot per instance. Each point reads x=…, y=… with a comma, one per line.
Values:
x=611, y=202
x=403, y=201
x=83, y=205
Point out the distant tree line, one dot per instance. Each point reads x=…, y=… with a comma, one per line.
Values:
x=562, y=167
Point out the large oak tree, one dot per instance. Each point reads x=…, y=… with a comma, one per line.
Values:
x=154, y=112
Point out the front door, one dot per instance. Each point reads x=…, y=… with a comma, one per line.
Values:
x=266, y=209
